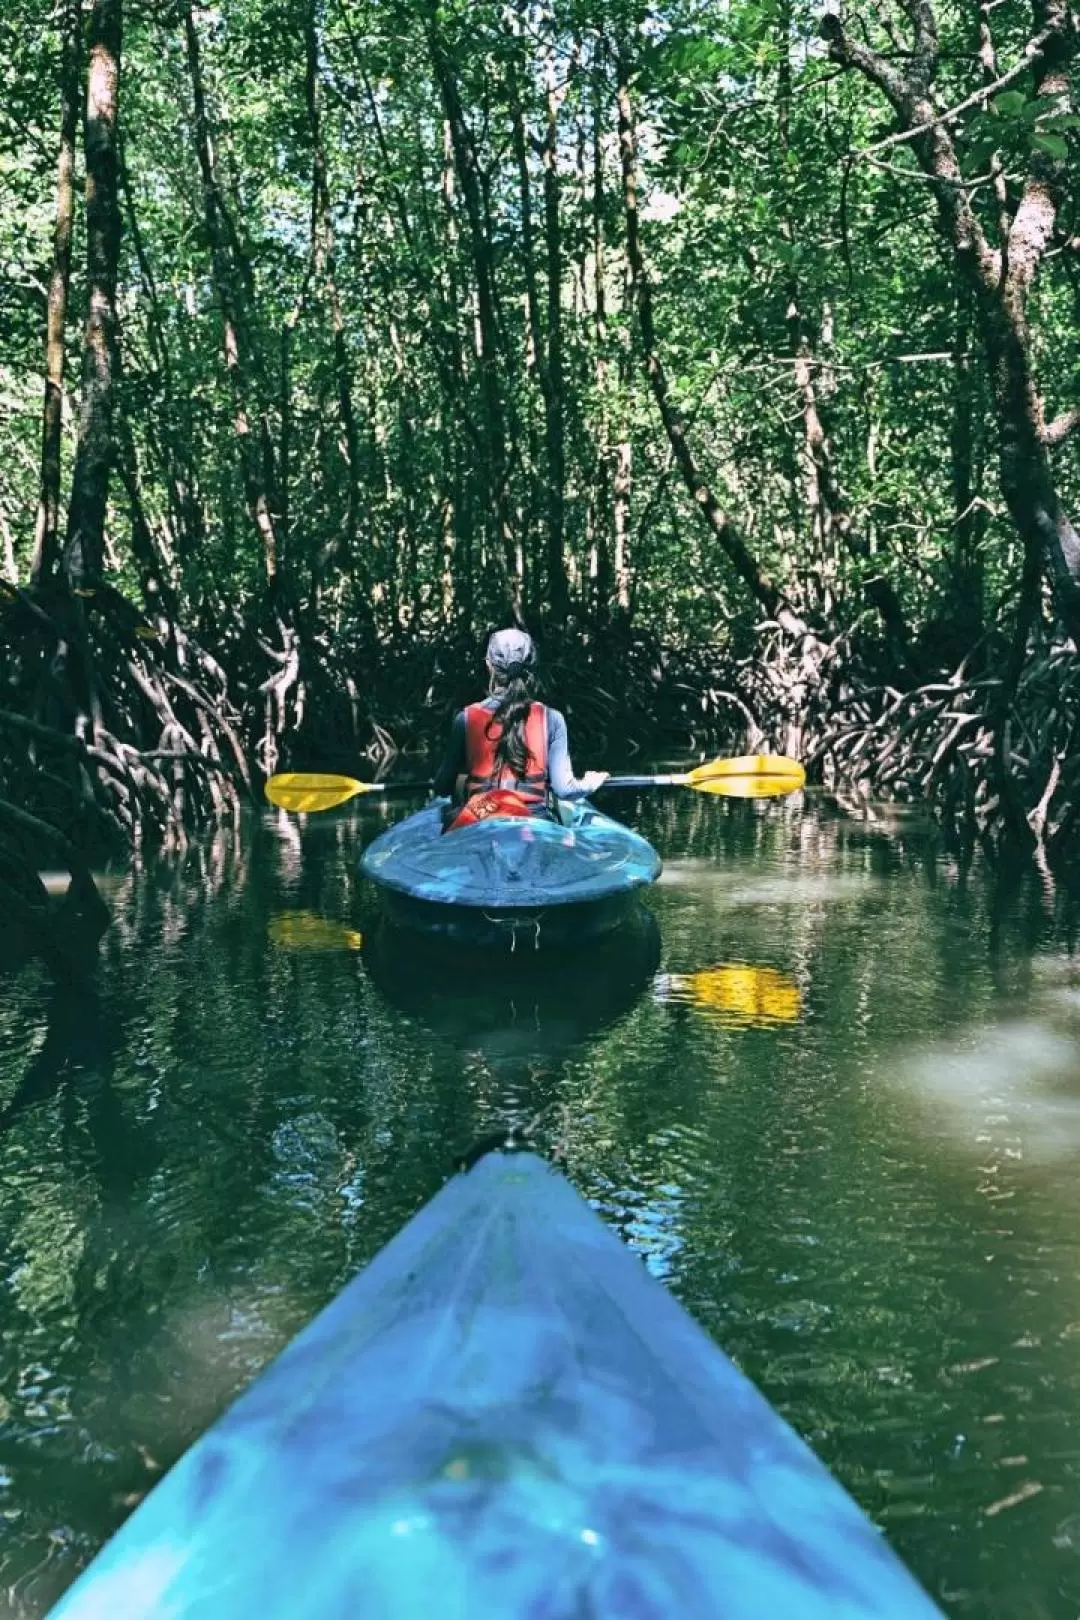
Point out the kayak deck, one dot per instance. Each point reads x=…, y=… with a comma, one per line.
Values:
x=551, y=882
x=504, y=1415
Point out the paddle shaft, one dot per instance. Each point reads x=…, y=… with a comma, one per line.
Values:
x=610, y=782
x=642, y=781
x=750, y=776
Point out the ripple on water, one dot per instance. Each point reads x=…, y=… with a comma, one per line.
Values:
x=839, y=1117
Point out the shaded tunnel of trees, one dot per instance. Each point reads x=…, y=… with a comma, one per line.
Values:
x=732, y=349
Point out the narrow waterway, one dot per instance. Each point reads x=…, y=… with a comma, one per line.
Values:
x=833, y=1095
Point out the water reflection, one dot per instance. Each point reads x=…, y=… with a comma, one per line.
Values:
x=519, y=1012
x=80, y=1035
x=1014, y=1088
x=307, y=931
x=839, y=1116
x=738, y=994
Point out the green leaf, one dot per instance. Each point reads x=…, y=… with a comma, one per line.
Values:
x=1055, y=145
x=1010, y=103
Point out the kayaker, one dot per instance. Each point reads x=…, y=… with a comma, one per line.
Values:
x=509, y=754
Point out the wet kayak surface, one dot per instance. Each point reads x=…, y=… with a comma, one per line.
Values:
x=511, y=861
x=834, y=1101
x=502, y=1414
x=562, y=882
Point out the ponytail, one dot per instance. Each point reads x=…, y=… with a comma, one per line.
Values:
x=516, y=694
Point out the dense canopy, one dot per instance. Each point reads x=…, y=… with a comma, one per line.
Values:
x=730, y=347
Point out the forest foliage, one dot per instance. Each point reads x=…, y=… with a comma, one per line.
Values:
x=730, y=347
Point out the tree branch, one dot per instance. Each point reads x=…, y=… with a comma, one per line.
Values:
x=1033, y=223
x=1056, y=432
x=887, y=79
x=937, y=154
x=924, y=60
x=849, y=53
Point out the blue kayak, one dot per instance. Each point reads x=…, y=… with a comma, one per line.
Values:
x=503, y=1417
x=509, y=881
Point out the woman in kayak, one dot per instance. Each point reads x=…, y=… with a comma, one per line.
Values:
x=509, y=756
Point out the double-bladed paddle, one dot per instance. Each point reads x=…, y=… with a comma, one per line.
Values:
x=750, y=776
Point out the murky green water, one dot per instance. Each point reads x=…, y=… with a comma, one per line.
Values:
x=836, y=1103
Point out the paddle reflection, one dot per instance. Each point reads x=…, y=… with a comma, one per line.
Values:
x=736, y=994
x=307, y=931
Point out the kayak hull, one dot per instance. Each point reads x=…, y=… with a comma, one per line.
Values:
x=502, y=1415
x=510, y=883
x=513, y=928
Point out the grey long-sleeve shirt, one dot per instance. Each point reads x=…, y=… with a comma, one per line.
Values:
x=564, y=784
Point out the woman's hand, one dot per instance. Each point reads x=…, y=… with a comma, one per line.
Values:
x=593, y=780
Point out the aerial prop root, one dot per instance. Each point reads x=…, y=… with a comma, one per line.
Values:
x=158, y=752
x=963, y=748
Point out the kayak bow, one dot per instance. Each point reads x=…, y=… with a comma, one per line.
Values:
x=503, y=1416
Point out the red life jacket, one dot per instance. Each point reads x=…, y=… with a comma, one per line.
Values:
x=482, y=736
x=499, y=802
x=492, y=789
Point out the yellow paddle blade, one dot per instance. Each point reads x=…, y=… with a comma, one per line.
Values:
x=307, y=931
x=751, y=776
x=300, y=790
x=740, y=995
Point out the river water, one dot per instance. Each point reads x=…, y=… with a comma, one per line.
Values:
x=833, y=1096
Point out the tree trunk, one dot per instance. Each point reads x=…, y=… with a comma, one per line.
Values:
x=830, y=513
x=447, y=514
x=168, y=425
x=46, y=530
x=439, y=309
x=10, y=568
x=500, y=526
x=604, y=520
x=969, y=520
x=257, y=459
x=325, y=265
x=558, y=596
x=535, y=358
x=999, y=277
x=154, y=574
x=85, y=543
x=624, y=468
x=763, y=589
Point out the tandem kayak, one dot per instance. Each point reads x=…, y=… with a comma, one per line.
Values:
x=503, y=1416
x=509, y=881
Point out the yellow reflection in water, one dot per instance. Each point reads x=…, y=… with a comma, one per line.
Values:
x=307, y=931
x=739, y=994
